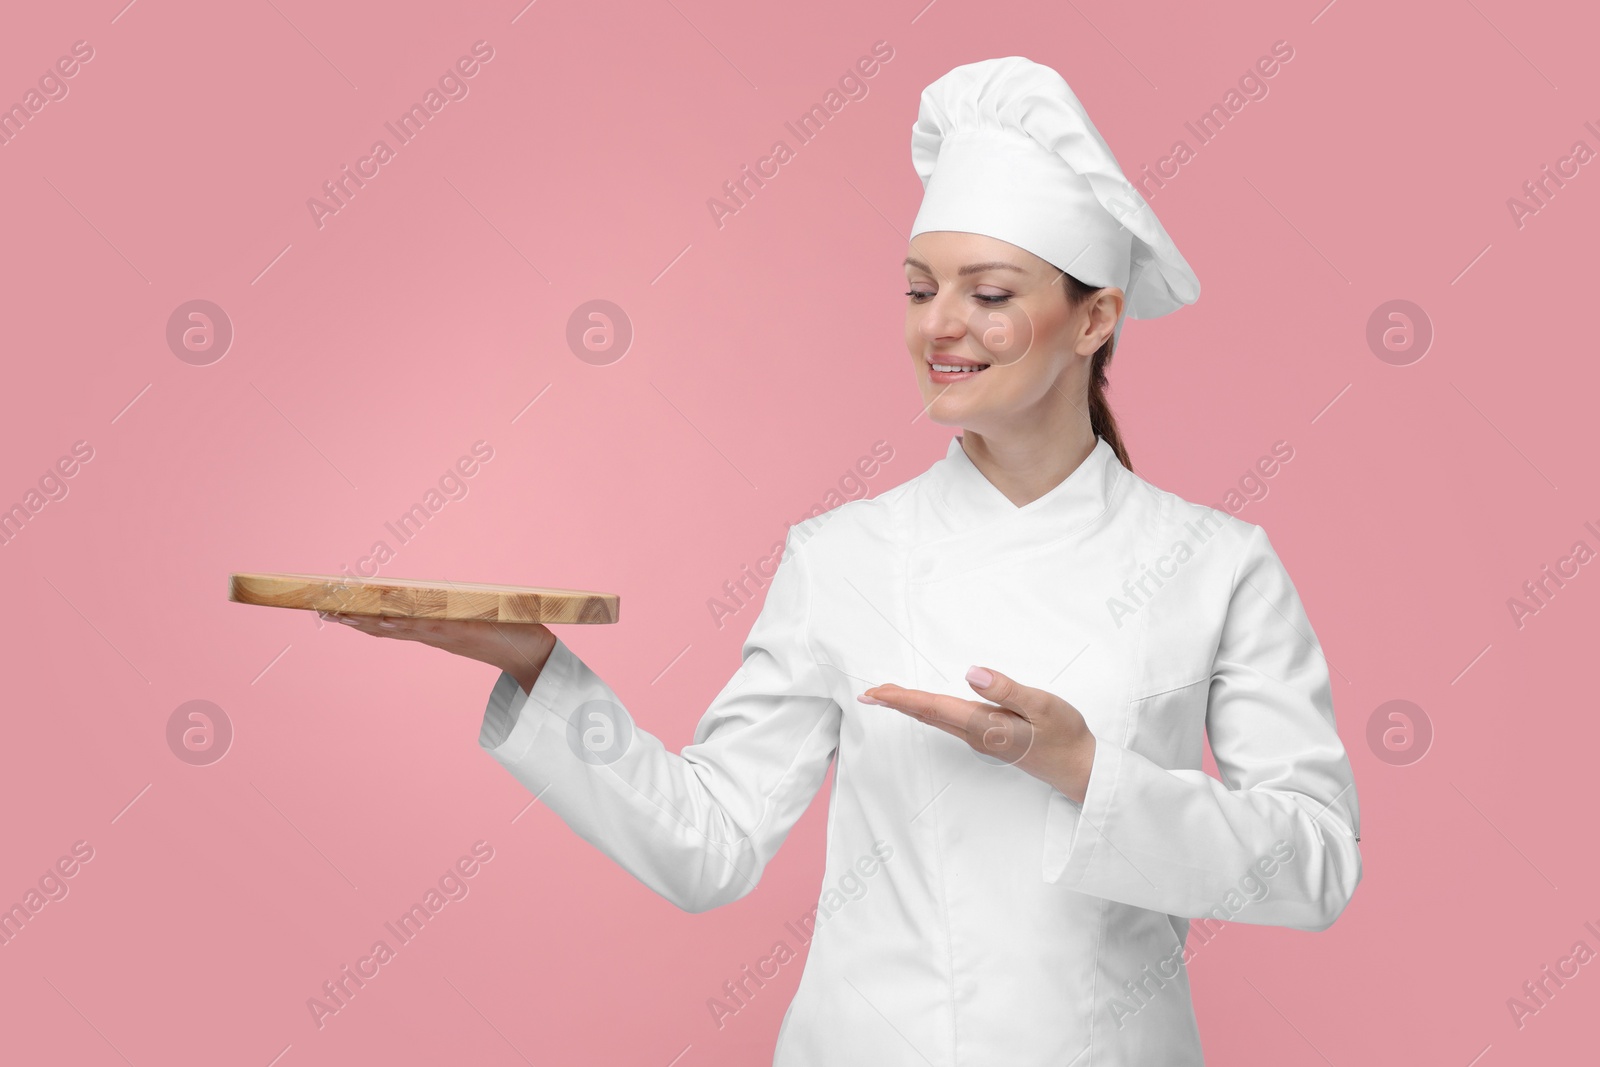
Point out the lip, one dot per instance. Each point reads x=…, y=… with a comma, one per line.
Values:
x=952, y=377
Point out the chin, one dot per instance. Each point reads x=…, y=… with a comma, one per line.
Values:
x=949, y=411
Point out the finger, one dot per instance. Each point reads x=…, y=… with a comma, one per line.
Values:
x=407, y=629
x=367, y=624
x=953, y=731
x=935, y=708
x=930, y=719
x=1032, y=704
x=996, y=732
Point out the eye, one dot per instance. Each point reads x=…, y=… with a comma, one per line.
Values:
x=919, y=295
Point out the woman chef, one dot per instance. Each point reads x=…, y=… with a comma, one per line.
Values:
x=1014, y=657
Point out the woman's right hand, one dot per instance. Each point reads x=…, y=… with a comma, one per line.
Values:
x=518, y=648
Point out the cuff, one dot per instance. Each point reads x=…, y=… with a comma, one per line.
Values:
x=1070, y=847
x=512, y=718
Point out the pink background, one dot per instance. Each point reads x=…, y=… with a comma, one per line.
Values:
x=427, y=314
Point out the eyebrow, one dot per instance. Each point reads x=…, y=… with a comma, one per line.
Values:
x=970, y=268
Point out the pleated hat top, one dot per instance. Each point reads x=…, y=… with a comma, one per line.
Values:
x=1005, y=149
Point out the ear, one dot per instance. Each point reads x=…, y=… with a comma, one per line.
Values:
x=1101, y=312
x=1107, y=312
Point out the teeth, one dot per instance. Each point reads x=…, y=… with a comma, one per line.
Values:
x=957, y=367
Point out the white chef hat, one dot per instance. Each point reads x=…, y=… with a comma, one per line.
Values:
x=1004, y=149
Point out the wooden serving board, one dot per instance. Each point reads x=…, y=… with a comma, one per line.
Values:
x=414, y=599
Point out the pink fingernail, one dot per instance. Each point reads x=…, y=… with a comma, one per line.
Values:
x=870, y=700
x=979, y=677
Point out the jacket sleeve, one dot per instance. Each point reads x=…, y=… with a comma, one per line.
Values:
x=698, y=826
x=1273, y=842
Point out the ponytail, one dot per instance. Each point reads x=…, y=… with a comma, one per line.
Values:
x=1101, y=421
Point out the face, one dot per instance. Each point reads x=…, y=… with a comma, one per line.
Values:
x=978, y=301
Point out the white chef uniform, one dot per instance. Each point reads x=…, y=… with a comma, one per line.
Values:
x=1008, y=924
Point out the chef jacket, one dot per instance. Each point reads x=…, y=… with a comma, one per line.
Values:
x=972, y=914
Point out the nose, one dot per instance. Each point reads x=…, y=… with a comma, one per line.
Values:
x=941, y=318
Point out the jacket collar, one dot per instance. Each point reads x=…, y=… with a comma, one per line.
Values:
x=971, y=500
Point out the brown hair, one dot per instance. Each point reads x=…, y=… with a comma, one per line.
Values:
x=1101, y=421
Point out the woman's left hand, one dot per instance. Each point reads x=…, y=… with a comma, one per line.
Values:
x=1035, y=731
